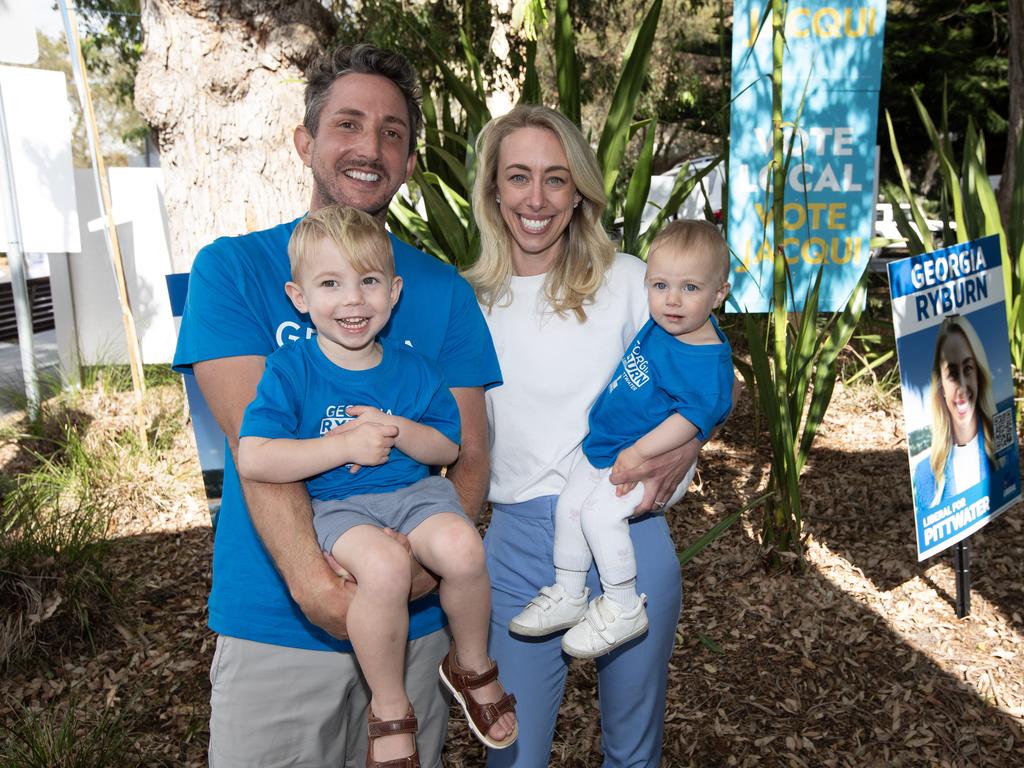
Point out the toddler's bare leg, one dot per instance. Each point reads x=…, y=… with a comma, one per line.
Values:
x=449, y=545
x=378, y=624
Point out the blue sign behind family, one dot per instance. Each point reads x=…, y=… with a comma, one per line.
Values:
x=831, y=75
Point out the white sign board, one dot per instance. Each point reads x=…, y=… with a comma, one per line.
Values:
x=38, y=119
x=17, y=33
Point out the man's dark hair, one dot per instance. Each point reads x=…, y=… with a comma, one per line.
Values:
x=365, y=59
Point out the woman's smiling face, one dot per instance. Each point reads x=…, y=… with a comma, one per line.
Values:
x=537, y=197
x=959, y=371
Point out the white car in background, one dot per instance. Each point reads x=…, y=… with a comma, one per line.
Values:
x=693, y=205
x=885, y=227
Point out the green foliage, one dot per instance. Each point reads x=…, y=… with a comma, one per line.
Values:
x=118, y=378
x=968, y=202
x=69, y=739
x=709, y=536
x=54, y=583
x=567, y=63
x=611, y=148
x=66, y=476
x=927, y=41
x=121, y=129
x=794, y=390
x=438, y=215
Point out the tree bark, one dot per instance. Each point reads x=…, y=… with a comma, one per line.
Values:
x=221, y=84
x=1015, y=124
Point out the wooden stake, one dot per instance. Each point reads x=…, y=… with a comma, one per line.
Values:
x=106, y=210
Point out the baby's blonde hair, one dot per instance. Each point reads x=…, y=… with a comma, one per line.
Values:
x=359, y=237
x=696, y=235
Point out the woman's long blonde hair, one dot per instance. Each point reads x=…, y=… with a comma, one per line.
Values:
x=984, y=405
x=579, y=271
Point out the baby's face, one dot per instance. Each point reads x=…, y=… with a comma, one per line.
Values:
x=683, y=288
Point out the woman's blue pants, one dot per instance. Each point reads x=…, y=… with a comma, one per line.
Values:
x=631, y=679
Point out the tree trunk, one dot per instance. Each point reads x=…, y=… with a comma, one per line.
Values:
x=1016, y=115
x=221, y=84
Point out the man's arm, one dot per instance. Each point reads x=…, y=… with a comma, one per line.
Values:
x=471, y=474
x=281, y=513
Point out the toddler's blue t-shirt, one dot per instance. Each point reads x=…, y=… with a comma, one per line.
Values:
x=658, y=376
x=303, y=394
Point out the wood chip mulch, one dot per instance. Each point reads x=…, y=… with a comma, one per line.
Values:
x=857, y=661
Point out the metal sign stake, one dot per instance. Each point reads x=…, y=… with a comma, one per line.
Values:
x=962, y=567
x=19, y=280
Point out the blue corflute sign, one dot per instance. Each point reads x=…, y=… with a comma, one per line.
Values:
x=949, y=314
x=831, y=74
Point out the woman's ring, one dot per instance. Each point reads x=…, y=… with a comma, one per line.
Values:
x=659, y=504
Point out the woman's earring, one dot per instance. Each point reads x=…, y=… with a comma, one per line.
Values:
x=576, y=202
x=497, y=199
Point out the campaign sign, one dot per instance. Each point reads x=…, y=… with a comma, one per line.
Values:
x=831, y=74
x=949, y=314
x=210, y=440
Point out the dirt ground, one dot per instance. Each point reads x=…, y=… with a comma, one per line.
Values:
x=858, y=661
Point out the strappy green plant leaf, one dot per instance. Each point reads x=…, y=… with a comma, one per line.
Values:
x=611, y=149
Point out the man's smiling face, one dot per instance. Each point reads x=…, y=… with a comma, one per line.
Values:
x=360, y=154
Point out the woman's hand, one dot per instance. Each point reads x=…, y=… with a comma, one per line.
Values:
x=660, y=475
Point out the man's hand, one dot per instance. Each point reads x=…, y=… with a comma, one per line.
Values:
x=660, y=475
x=325, y=602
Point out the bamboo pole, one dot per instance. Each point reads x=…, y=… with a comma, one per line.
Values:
x=106, y=209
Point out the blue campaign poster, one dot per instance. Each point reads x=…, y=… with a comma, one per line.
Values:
x=209, y=437
x=831, y=75
x=949, y=314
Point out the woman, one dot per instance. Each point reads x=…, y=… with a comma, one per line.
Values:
x=562, y=306
x=961, y=453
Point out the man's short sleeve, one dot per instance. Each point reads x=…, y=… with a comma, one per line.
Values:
x=467, y=357
x=234, y=303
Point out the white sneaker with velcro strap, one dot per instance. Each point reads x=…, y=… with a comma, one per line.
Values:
x=552, y=610
x=604, y=627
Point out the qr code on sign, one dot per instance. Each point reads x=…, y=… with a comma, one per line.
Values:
x=1002, y=427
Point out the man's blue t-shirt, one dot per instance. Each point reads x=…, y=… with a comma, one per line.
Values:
x=236, y=305
x=303, y=394
x=658, y=376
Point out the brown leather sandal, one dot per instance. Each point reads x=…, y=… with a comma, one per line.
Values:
x=376, y=728
x=481, y=717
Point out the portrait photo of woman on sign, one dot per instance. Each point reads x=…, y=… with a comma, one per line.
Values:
x=962, y=407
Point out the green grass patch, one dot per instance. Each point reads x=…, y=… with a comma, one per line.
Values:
x=70, y=474
x=69, y=739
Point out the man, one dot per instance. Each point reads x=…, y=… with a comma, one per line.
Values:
x=283, y=694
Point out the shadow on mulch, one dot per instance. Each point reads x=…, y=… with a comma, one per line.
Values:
x=869, y=521
x=858, y=661
x=810, y=675
x=150, y=664
x=819, y=669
